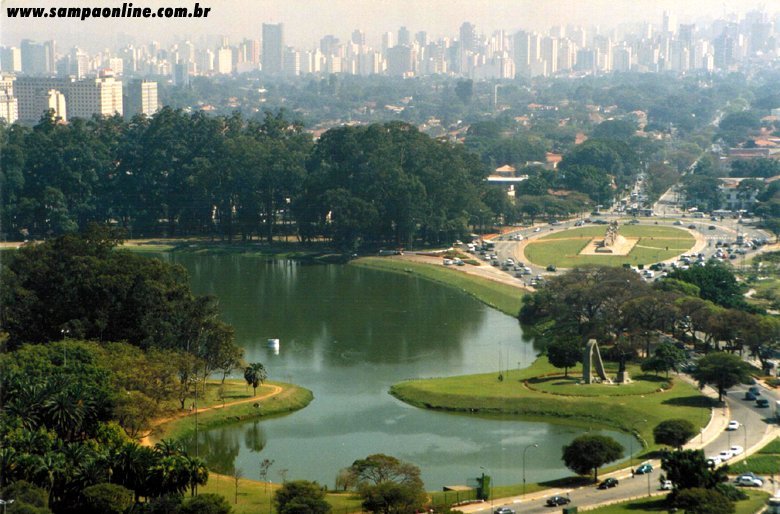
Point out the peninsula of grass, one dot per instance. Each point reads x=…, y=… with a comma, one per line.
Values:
x=562, y=249
x=290, y=399
x=542, y=393
x=503, y=297
x=756, y=500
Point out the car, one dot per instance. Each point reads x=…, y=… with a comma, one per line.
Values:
x=633, y=222
x=503, y=510
x=711, y=227
x=678, y=223
x=749, y=481
x=644, y=469
x=551, y=267
x=555, y=501
x=749, y=396
x=538, y=229
x=762, y=403
x=755, y=390
x=733, y=425
x=692, y=226
x=667, y=485
x=609, y=482
x=736, y=450
x=725, y=455
x=714, y=461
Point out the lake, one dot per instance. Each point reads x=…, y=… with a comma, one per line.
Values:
x=348, y=334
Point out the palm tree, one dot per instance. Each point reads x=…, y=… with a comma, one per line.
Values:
x=199, y=473
x=255, y=374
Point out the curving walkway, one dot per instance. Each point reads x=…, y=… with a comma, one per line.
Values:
x=147, y=439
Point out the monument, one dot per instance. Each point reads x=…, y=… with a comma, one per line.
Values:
x=612, y=239
x=591, y=351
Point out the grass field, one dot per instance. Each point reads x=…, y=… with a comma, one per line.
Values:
x=765, y=462
x=503, y=297
x=750, y=506
x=655, y=244
x=256, y=497
x=633, y=408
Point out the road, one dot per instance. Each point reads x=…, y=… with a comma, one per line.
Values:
x=756, y=431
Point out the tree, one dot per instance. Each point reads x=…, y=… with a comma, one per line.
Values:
x=716, y=282
x=722, y=370
x=667, y=356
x=107, y=499
x=564, y=354
x=255, y=374
x=589, y=452
x=689, y=469
x=674, y=432
x=208, y=503
x=388, y=485
x=301, y=497
x=704, y=501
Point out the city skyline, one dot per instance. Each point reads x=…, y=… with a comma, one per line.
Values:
x=306, y=22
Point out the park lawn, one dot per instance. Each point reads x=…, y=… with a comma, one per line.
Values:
x=291, y=398
x=765, y=462
x=756, y=500
x=484, y=394
x=504, y=297
x=641, y=231
x=570, y=386
x=255, y=497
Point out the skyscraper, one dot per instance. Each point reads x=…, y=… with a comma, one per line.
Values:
x=273, y=48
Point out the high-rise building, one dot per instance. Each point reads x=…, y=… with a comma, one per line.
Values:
x=387, y=42
x=37, y=58
x=468, y=37
x=224, y=64
x=273, y=48
x=11, y=59
x=292, y=62
x=400, y=62
x=9, y=105
x=404, y=37
x=140, y=97
x=102, y=96
x=358, y=37
x=56, y=102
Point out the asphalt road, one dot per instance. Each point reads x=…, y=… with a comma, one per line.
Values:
x=756, y=423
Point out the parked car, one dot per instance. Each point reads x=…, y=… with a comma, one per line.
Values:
x=503, y=510
x=749, y=396
x=608, y=483
x=749, y=481
x=551, y=267
x=667, y=485
x=644, y=469
x=733, y=425
x=554, y=501
x=678, y=223
x=762, y=403
x=714, y=461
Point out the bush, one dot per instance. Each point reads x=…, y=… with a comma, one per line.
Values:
x=107, y=499
x=206, y=504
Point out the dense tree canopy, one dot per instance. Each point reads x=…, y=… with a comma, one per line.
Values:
x=721, y=370
x=388, y=485
x=588, y=453
x=674, y=432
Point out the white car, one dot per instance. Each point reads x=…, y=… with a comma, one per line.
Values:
x=733, y=425
x=537, y=229
x=667, y=485
x=749, y=481
x=736, y=450
x=725, y=455
x=714, y=461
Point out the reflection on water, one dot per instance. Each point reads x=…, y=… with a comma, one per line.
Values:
x=348, y=334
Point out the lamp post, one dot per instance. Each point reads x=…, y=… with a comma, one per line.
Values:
x=4, y=503
x=490, y=490
x=534, y=445
x=744, y=448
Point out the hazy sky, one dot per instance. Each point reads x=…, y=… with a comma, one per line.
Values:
x=307, y=20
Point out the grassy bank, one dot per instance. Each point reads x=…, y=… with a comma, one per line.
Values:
x=290, y=399
x=500, y=296
x=756, y=500
x=255, y=497
x=200, y=246
x=540, y=392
